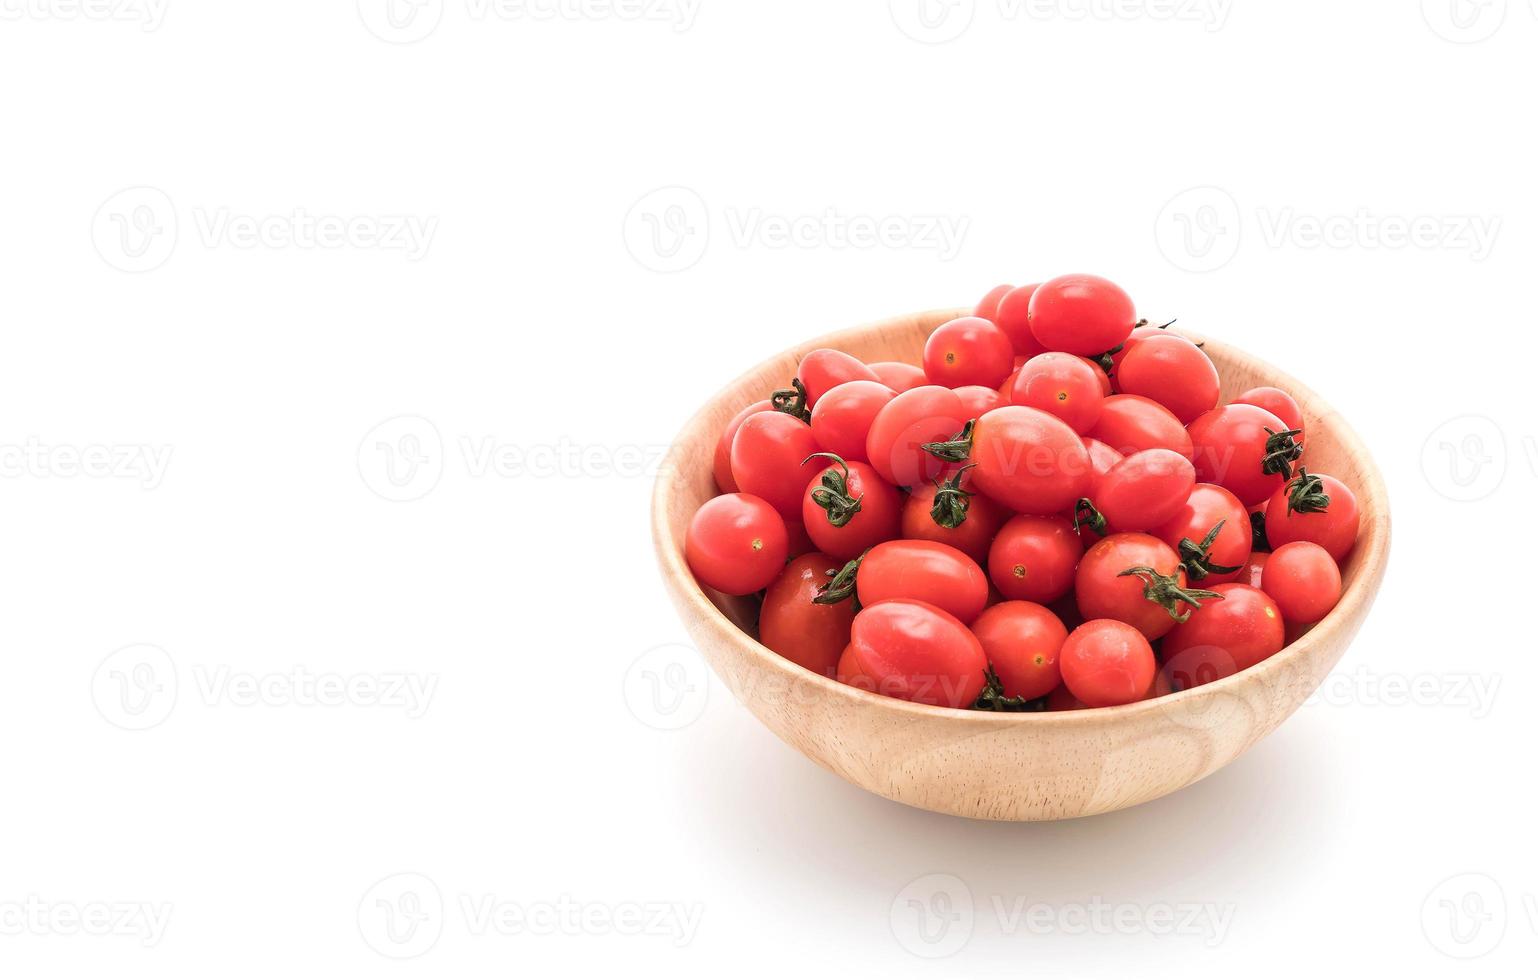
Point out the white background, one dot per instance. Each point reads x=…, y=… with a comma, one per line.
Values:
x=515, y=359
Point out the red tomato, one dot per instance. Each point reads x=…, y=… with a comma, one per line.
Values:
x=916, y=652
x=1210, y=532
x=848, y=507
x=800, y=541
x=1101, y=460
x=1138, y=333
x=1254, y=569
x=964, y=519
x=1143, y=490
x=924, y=571
x=977, y=400
x=735, y=544
x=770, y=460
x=1278, y=403
x=1314, y=507
x=1063, y=699
x=968, y=351
x=721, y=466
x=898, y=376
x=1034, y=558
x=1243, y=449
x=1303, y=580
x=792, y=625
x=842, y=419
x=1025, y=459
x=1100, y=376
x=1129, y=423
x=1106, y=663
x=1063, y=386
x=1013, y=317
x=1137, y=579
x=1022, y=640
x=1173, y=372
x=1224, y=637
x=823, y=370
x=915, y=418
x=1081, y=315
x=988, y=306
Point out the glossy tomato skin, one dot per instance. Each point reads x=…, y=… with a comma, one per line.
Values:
x=1022, y=641
x=1104, y=593
x=878, y=519
x=898, y=376
x=916, y=652
x=1334, y=529
x=1224, y=636
x=1278, y=403
x=1254, y=569
x=824, y=369
x=1303, y=580
x=1172, y=371
x=1034, y=558
x=1106, y=663
x=977, y=401
x=721, y=465
x=988, y=306
x=971, y=537
x=769, y=460
x=1013, y=317
x=915, y=417
x=842, y=418
x=1081, y=314
x=735, y=544
x=793, y=626
x=1230, y=449
x=1138, y=333
x=1029, y=461
x=924, y=571
x=1062, y=385
x=1206, y=505
x=1131, y=423
x=1144, y=490
x=968, y=351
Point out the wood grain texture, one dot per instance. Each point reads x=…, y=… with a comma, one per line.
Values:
x=1045, y=766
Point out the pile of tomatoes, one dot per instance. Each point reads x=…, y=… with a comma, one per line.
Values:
x=1053, y=512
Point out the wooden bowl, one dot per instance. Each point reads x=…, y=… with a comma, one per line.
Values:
x=1037, y=766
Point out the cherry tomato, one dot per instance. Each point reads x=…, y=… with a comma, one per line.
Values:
x=916, y=652
x=1303, y=580
x=1209, y=512
x=823, y=370
x=1278, y=403
x=1101, y=459
x=1173, y=372
x=1144, y=490
x=898, y=376
x=1022, y=641
x=800, y=543
x=1081, y=314
x=975, y=517
x=792, y=625
x=721, y=466
x=988, y=306
x=1151, y=596
x=913, y=419
x=735, y=543
x=977, y=400
x=1062, y=699
x=1025, y=459
x=1063, y=386
x=770, y=460
x=1100, y=376
x=968, y=351
x=1143, y=329
x=1106, y=663
x=1034, y=558
x=1129, y=423
x=924, y=571
x=1314, y=507
x=1013, y=317
x=848, y=507
x=842, y=417
x=1224, y=637
x=1243, y=449
x=1254, y=569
